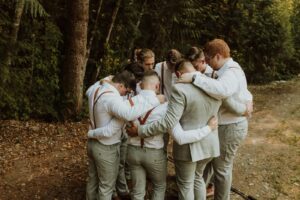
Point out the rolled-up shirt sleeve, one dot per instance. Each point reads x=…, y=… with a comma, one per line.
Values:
x=108, y=130
x=185, y=137
x=123, y=110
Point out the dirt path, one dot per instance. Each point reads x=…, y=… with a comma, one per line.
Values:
x=48, y=161
x=268, y=164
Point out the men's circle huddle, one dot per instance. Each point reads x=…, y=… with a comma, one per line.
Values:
x=200, y=100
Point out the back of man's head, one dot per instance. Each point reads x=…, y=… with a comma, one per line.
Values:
x=137, y=70
x=173, y=56
x=126, y=78
x=184, y=66
x=194, y=53
x=150, y=77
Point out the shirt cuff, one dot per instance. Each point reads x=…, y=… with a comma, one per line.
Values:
x=206, y=129
x=140, y=132
x=91, y=134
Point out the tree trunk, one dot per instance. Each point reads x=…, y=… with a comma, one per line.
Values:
x=113, y=19
x=12, y=40
x=106, y=41
x=89, y=46
x=74, y=68
x=137, y=26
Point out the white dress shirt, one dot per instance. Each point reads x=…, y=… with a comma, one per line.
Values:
x=231, y=83
x=112, y=105
x=169, y=78
x=208, y=71
x=157, y=142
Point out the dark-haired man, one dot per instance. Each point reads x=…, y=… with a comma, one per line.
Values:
x=106, y=102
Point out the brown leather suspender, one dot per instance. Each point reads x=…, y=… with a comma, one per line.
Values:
x=142, y=122
x=95, y=101
x=162, y=77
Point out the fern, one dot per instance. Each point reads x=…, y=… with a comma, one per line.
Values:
x=35, y=8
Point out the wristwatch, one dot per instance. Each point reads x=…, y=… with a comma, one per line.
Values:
x=194, y=77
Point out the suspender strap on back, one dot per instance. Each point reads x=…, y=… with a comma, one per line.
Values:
x=94, y=105
x=162, y=77
x=142, y=122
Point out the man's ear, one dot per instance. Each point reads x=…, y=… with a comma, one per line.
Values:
x=219, y=56
x=121, y=86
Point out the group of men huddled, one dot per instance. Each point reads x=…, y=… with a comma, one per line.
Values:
x=200, y=100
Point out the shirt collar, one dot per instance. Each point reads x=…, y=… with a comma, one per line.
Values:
x=109, y=87
x=196, y=72
x=147, y=93
x=224, y=67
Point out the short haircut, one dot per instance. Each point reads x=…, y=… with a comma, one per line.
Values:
x=215, y=46
x=194, y=53
x=180, y=65
x=137, y=70
x=126, y=78
x=144, y=54
x=173, y=56
x=149, y=75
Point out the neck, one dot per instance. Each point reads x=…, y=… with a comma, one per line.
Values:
x=222, y=63
x=148, y=87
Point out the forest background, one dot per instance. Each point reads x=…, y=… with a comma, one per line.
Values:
x=51, y=51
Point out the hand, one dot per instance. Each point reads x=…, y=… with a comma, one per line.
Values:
x=132, y=130
x=185, y=78
x=161, y=98
x=249, y=109
x=213, y=123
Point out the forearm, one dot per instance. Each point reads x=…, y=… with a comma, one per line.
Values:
x=123, y=109
x=109, y=130
x=158, y=127
x=185, y=137
x=220, y=88
x=174, y=113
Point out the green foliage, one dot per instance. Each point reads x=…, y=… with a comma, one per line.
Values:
x=110, y=63
x=33, y=88
x=295, y=21
x=35, y=8
x=264, y=36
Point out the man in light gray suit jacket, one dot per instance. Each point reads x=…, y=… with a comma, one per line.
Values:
x=192, y=108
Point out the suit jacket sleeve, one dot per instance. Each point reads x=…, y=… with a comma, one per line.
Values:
x=175, y=109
